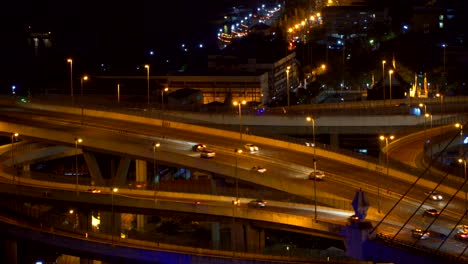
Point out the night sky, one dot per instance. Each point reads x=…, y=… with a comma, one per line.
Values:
x=101, y=30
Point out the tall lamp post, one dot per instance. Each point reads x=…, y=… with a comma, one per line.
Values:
x=428, y=115
x=383, y=78
x=156, y=146
x=463, y=160
x=13, y=139
x=312, y=120
x=425, y=112
x=287, y=84
x=77, y=141
x=236, y=201
x=390, y=72
x=118, y=93
x=441, y=97
x=71, y=77
x=147, y=67
x=444, y=46
x=239, y=104
x=84, y=78
x=384, y=138
x=162, y=97
x=113, y=190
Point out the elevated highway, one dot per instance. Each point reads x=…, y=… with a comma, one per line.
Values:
x=64, y=136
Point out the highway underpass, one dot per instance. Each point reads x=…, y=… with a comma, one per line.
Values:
x=317, y=153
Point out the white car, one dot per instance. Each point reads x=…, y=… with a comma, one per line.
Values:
x=207, y=154
x=318, y=175
x=250, y=147
x=435, y=196
x=420, y=234
x=259, y=169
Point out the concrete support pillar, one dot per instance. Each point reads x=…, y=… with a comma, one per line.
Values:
x=141, y=222
x=26, y=171
x=85, y=221
x=215, y=235
x=237, y=237
x=356, y=235
x=335, y=140
x=93, y=167
x=141, y=170
x=10, y=251
x=120, y=177
x=255, y=239
x=111, y=224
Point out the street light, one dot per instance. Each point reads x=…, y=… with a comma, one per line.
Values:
x=147, y=67
x=13, y=139
x=312, y=120
x=441, y=96
x=236, y=103
x=77, y=140
x=84, y=78
x=444, y=46
x=118, y=93
x=428, y=115
x=384, y=138
x=113, y=190
x=383, y=78
x=287, y=83
x=236, y=201
x=162, y=97
x=156, y=146
x=425, y=132
x=71, y=77
x=464, y=176
x=390, y=72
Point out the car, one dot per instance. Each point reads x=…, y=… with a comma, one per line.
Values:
x=207, y=154
x=259, y=169
x=435, y=196
x=354, y=218
x=420, y=234
x=94, y=190
x=258, y=203
x=251, y=147
x=431, y=212
x=318, y=175
x=199, y=147
x=461, y=235
x=462, y=228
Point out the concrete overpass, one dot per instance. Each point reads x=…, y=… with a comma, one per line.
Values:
x=251, y=138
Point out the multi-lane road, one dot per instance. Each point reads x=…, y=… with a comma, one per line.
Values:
x=285, y=167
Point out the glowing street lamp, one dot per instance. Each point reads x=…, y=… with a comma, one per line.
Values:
x=383, y=78
x=156, y=146
x=84, y=78
x=162, y=97
x=147, y=67
x=384, y=138
x=13, y=139
x=113, y=190
x=425, y=132
x=390, y=72
x=236, y=103
x=77, y=141
x=71, y=77
x=237, y=201
x=312, y=120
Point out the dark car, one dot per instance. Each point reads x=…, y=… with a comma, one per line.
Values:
x=431, y=212
x=198, y=147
